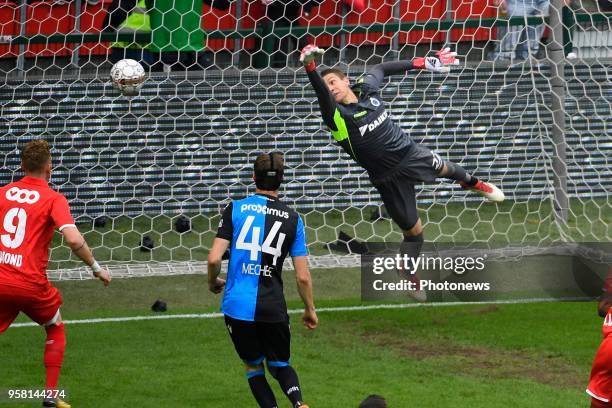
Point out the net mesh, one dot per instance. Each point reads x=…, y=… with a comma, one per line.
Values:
x=224, y=84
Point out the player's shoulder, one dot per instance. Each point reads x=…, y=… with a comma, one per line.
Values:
x=54, y=194
x=371, y=100
x=253, y=204
x=367, y=85
x=22, y=190
x=281, y=205
x=243, y=204
x=289, y=215
x=6, y=186
x=266, y=205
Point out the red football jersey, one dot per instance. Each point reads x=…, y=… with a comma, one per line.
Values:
x=607, y=324
x=600, y=384
x=30, y=211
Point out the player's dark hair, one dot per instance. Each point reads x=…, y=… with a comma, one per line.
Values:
x=335, y=71
x=373, y=401
x=605, y=303
x=269, y=169
x=35, y=155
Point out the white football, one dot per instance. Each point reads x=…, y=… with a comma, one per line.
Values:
x=127, y=76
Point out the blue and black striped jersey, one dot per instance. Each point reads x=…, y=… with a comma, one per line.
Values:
x=262, y=231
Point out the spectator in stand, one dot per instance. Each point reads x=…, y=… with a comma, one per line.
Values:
x=285, y=13
x=519, y=43
x=177, y=39
x=129, y=17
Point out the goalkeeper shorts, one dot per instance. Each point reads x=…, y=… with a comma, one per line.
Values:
x=396, y=188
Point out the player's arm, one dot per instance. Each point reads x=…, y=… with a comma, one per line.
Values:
x=304, y=286
x=61, y=216
x=327, y=103
x=439, y=62
x=225, y=233
x=299, y=256
x=78, y=245
x=215, y=256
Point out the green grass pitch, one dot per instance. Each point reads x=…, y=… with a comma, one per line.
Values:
x=521, y=355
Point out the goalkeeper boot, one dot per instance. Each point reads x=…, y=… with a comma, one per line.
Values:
x=417, y=294
x=487, y=190
x=55, y=403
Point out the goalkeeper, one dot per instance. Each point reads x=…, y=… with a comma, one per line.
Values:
x=359, y=122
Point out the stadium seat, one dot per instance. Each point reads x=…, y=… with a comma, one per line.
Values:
x=46, y=17
x=91, y=20
x=9, y=17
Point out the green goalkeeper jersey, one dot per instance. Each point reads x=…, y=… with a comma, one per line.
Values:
x=176, y=25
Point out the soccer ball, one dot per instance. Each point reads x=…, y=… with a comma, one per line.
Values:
x=127, y=76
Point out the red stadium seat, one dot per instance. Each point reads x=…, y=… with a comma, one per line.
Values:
x=326, y=14
x=422, y=11
x=92, y=18
x=215, y=19
x=464, y=9
x=377, y=11
x=9, y=18
x=45, y=17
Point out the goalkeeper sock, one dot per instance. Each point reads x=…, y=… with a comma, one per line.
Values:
x=54, y=353
x=288, y=380
x=261, y=389
x=411, y=246
x=458, y=173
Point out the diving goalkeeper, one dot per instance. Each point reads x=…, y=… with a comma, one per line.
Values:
x=359, y=122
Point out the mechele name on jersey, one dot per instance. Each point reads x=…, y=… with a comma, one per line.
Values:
x=263, y=209
x=371, y=126
x=256, y=269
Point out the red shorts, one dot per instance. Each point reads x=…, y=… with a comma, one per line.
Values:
x=39, y=303
x=595, y=403
x=600, y=384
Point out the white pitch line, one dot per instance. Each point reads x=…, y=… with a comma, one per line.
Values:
x=319, y=310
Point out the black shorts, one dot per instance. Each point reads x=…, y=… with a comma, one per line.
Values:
x=256, y=341
x=397, y=187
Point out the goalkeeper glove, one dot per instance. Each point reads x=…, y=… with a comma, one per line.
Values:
x=309, y=55
x=437, y=63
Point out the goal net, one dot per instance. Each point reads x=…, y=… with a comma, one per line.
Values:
x=148, y=176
